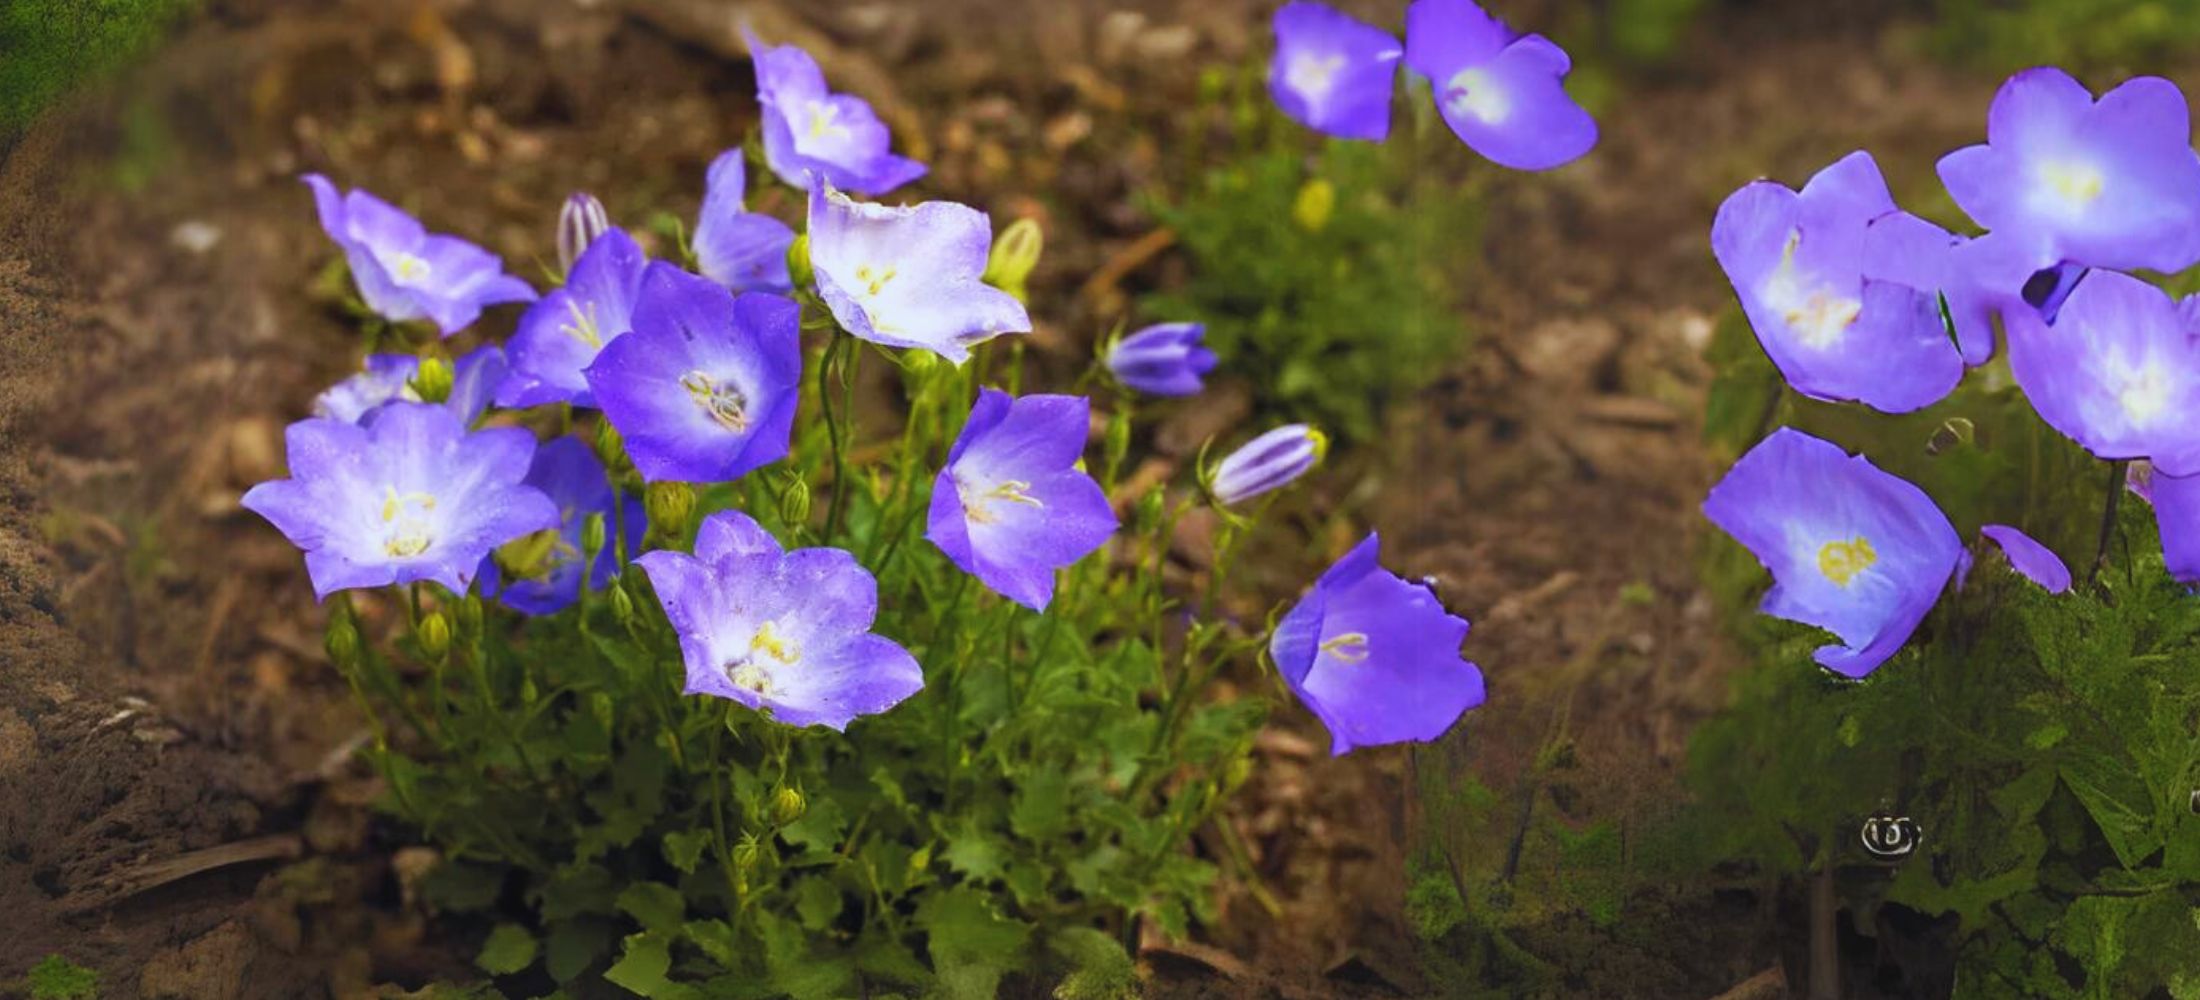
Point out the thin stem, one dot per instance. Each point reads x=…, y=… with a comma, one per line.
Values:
x=2116, y=474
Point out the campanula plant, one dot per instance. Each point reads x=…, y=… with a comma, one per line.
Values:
x=2012, y=679
x=716, y=665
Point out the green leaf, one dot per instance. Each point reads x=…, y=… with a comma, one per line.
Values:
x=642, y=967
x=509, y=949
x=963, y=929
x=574, y=945
x=1040, y=812
x=971, y=852
x=578, y=890
x=684, y=849
x=659, y=907
x=817, y=902
x=459, y=887
x=1099, y=968
x=716, y=939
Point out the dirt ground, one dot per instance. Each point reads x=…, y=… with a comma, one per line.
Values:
x=172, y=741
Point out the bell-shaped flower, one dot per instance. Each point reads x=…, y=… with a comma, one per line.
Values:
x=2176, y=501
x=1011, y=507
x=1503, y=94
x=2031, y=560
x=909, y=276
x=1375, y=656
x=1852, y=550
x=1797, y=261
x=566, y=470
x=812, y=134
x=406, y=273
x=560, y=335
x=1332, y=72
x=742, y=250
x=1166, y=359
x=388, y=378
x=787, y=633
x=406, y=495
x=1268, y=462
x=2112, y=183
x=2118, y=371
x=704, y=387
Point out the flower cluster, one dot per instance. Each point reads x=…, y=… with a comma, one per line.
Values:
x=423, y=470
x=1501, y=92
x=1856, y=300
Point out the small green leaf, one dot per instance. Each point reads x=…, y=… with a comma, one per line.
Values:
x=509, y=949
x=1040, y=811
x=817, y=902
x=642, y=968
x=659, y=907
x=573, y=946
x=684, y=849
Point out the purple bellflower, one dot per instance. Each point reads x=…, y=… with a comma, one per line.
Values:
x=566, y=470
x=2118, y=371
x=1852, y=550
x=1011, y=507
x=1503, y=94
x=404, y=272
x=2176, y=501
x=560, y=335
x=811, y=132
x=1797, y=262
x=784, y=632
x=1162, y=360
x=1332, y=72
x=2033, y=561
x=704, y=388
x=1268, y=462
x=1375, y=656
x=388, y=378
x=580, y=220
x=909, y=276
x=742, y=250
x=407, y=495
x=2112, y=183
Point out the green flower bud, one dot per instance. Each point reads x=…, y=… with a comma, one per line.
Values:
x=1117, y=444
x=669, y=505
x=434, y=635
x=746, y=855
x=920, y=861
x=610, y=448
x=794, y=503
x=1316, y=201
x=1015, y=253
x=622, y=604
x=469, y=614
x=799, y=270
x=432, y=383
x=787, y=805
x=592, y=536
x=342, y=641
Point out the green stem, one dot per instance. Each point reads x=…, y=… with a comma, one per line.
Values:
x=2116, y=474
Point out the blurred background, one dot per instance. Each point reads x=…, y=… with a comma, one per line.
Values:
x=1517, y=367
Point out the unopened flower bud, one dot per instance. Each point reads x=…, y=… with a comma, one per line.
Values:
x=787, y=805
x=920, y=861
x=1117, y=444
x=434, y=635
x=1269, y=461
x=669, y=505
x=580, y=221
x=746, y=854
x=528, y=556
x=469, y=615
x=1316, y=201
x=622, y=604
x=794, y=504
x=342, y=641
x=1162, y=360
x=592, y=535
x=799, y=272
x=432, y=383
x=1014, y=255
x=610, y=448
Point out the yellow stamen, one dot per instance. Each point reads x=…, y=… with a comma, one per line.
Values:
x=1350, y=647
x=875, y=279
x=724, y=401
x=1841, y=561
x=583, y=327
x=978, y=510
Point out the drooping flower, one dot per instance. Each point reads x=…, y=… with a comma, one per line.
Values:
x=1011, y=507
x=404, y=272
x=788, y=633
x=2112, y=184
x=742, y=250
x=1375, y=656
x=1797, y=262
x=1852, y=550
x=2176, y=502
x=2118, y=372
x=1162, y=360
x=704, y=388
x=811, y=132
x=560, y=335
x=388, y=378
x=407, y=495
x=1503, y=94
x=580, y=220
x=909, y=276
x=2033, y=561
x=1267, y=462
x=1333, y=72
x=566, y=470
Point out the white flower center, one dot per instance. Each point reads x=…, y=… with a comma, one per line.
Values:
x=1474, y=93
x=2070, y=187
x=767, y=653
x=723, y=401
x=409, y=267
x=406, y=526
x=2144, y=393
x=1312, y=76
x=978, y=504
x=823, y=120
x=1817, y=315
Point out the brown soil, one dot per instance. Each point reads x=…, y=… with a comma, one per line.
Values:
x=171, y=737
